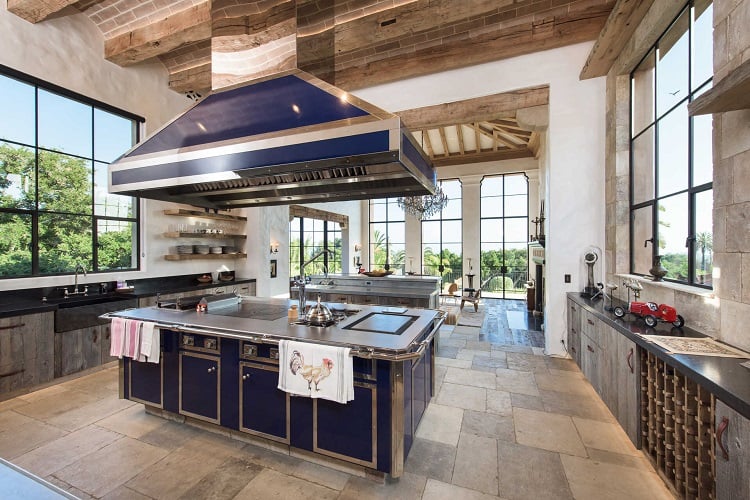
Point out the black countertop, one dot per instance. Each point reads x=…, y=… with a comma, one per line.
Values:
x=724, y=377
x=29, y=301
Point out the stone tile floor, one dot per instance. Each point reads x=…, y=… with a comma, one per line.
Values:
x=506, y=422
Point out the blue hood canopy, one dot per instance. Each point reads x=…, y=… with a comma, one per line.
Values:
x=288, y=138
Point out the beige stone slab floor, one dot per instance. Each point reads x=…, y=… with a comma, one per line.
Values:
x=507, y=422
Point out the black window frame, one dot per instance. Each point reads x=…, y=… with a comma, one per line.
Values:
x=327, y=244
x=441, y=218
x=39, y=84
x=388, y=202
x=692, y=191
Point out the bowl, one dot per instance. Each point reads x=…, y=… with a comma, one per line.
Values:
x=205, y=279
x=377, y=274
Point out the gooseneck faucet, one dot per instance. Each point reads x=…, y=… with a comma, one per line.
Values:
x=301, y=283
x=82, y=269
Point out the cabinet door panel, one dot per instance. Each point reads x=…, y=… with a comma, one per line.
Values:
x=732, y=473
x=628, y=388
x=264, y=409
x=349, y=431
x=146, y=382
x=199, y=386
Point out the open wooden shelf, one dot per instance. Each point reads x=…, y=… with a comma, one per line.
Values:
x=211, y=256
x=181, y=212
x=217, y=236
x=730, y=94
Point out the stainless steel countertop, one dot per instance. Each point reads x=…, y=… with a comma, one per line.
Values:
x=356, y=290
x=280, y=329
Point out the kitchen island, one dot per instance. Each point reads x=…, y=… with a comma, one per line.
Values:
x=221, y=367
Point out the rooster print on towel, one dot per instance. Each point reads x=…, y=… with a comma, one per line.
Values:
x=311, y=373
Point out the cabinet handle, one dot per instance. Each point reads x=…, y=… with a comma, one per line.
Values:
x=629, y=359
x=246, y=376
x=574, y=350
x=591, y=349
x=573, y=330
x=573, y=307
x=212, y=369
x=10, y=327
x=719, y=434
x=589, y=322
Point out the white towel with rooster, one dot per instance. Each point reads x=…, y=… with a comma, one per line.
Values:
x=316, y=371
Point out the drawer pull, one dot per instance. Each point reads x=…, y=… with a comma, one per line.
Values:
x=629, y=359
x=10, y=327
x=589, y=322
x=212, y=369
x=591, y=349
x=574, y=350
x=719, y=434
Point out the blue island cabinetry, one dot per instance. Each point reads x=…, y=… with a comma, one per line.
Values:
x=233, y=383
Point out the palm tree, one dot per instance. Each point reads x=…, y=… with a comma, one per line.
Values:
x=705, y=242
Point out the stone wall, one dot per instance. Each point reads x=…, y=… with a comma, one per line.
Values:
x=723, y=312
x=732, y=178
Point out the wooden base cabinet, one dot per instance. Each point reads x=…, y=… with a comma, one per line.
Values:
x=732, y=454
x=574, y=331
x=26, y=351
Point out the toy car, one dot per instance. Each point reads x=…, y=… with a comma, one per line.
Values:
x=652, y=313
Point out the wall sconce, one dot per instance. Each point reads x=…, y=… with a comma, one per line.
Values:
x=274, y=247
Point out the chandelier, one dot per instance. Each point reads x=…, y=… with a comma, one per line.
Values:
x=424, y=207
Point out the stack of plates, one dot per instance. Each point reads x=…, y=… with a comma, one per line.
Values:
x=184, y=249
x=201, y=249
x=230, y=249
x=215, y=249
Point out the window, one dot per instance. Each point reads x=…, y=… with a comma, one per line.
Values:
x=307, y=237
x=387, y=235
x=55, y=211
x=504, y=233
x=441, y=237
x=671, y=198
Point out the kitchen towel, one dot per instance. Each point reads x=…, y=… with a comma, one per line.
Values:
x=117, y=345
x=316, y=371
x=132, y=339
x=150, y=342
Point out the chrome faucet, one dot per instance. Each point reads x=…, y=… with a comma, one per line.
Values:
x=301, y=282
x=82, y=269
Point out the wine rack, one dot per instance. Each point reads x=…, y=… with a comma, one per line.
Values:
x=677, y=416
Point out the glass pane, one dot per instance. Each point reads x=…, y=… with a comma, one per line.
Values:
x=64, y=125
x=516, y=205
x=673, y=151
x=18, y=111
x=702, y=150
x=491, y=206
x=397, y=232
x=115, y=241
x=643, y=166
x=672, y=225
x=317, y=225
x=452, y=188
x=64, y=183
x=377, y=211
x=113, y=135
x=642, y=87
x=398, y=255
x=704, y=242
x=17, y=177
x=15, y=245
x=642, y=231
x=516, y=230
x=395, y=213
x=492, y=186
x=452, y=231
x=703, y=43
x=430, y=232
x=111, y=205
x=516, y=184
x=64, y=241
x=672, y=69
x=492, y=230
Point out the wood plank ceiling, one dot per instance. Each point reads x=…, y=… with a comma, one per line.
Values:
x=375, y=41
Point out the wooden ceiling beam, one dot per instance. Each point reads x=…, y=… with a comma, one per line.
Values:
x=194, y=79
x=427, y=143
x=506, y=154
x=160, y=37
x=444, y=140
x=460, y=134
x=620, y=26
x=35, y=11
x=478, y=109
x=538, y=34
x=509, y=143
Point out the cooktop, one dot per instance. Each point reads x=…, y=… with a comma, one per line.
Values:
x=265, y=312
x=378, y=322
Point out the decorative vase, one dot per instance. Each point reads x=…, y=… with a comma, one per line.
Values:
x=657, y=270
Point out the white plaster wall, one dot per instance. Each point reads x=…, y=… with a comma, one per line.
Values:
x=574, y=179
x=68, y=51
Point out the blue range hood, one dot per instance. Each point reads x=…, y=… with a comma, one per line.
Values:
x=284, y=139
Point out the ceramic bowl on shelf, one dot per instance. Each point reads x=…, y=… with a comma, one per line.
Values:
x=215, y=250
x=184, y=249
x=201, y=249
x=230, y=249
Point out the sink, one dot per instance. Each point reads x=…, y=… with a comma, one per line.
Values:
x=83, y=312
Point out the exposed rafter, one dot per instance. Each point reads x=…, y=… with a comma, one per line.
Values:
x=35, y=11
